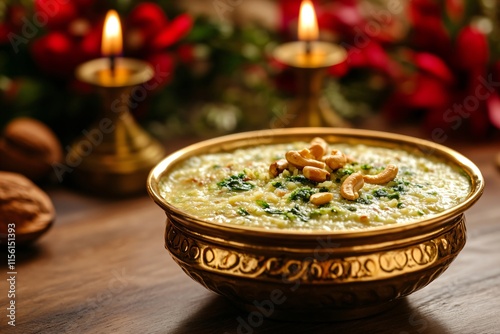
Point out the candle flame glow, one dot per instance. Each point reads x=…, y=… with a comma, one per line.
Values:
x=112, y=42
x=308, y=25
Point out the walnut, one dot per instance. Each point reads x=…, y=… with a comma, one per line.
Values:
x=24, y=204
x=29, y=147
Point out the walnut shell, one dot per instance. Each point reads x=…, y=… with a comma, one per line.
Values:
x=24, y=204
x=29, y=147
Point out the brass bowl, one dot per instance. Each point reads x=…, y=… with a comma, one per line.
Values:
x=315, y=275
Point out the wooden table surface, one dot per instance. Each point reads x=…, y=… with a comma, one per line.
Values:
x=103, y=268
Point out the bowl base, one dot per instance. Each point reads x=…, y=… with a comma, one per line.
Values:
x=316, y=315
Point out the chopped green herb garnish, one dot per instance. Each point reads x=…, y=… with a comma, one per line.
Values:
x=400, y=205
x=300, y=179
x=344, y=171
x=383, y=192
x=324, y=210
x=351, y=208
x=335, y=210
x=323, y=190
x=398, y=185
x=262, y=203
x=242, y=212
x=366, y=166
x=394, y=195
x=278, y=185
x=295, y=211
x=380, y=193
x=363, y=200
x=273, y=211
x=420, y=213
x=302, y=194
x=236, y=183
x=267, y=208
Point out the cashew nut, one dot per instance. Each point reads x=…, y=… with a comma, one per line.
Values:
x=306, y=154
x=388, y=174
x=318, y=148
x=277, y=167
x=321, y=198
x=315, y=174
x=351, y=185
x=296, y=159
x=335, y=160
x=321, y=142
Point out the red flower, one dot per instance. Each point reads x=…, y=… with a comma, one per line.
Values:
x=449, y=87
x=341, y=18
x=416, y=93
x=148, y=30
x=74, y=35
x=56, y=54
x=430, y=35
x=148, y=18
x=148, y=35
x=434, y=66
x=472, y=51
x=172, y=33
x=59, y=14
x=371, y=56
x=428, y=30
x=451, y=97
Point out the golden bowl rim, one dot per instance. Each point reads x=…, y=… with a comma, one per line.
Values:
x=250, y=138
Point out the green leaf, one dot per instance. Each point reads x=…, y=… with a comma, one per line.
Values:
x=301, y=179
x=380, y=193
x=262, y=203
x=394, y=195
x=278, y=185
x=242, y=212
x=366, y=166
x=298, y=213
x=236, y=183
x=363, y=200
x=267, y=208
x=302, y=194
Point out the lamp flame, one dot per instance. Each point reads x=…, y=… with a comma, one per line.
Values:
x=308, y=25
x=112, y=42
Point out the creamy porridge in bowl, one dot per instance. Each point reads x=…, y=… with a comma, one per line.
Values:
x=238, y=187
x=357, y=219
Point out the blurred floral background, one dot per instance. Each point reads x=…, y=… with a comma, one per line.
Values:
x=434, y=63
